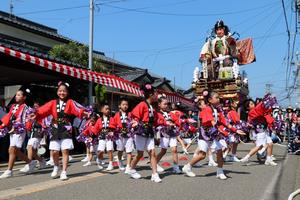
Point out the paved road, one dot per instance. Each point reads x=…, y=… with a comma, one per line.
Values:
x=254, y=181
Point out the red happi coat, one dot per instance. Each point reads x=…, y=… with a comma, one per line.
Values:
x=207, y=117
x=141, y=113
x=87, y=130
x=98, y=127
x=118, y=121
x=72, y=109
x=176, y=115
x=260, y=115
x=19, y=115
x=233, y=116
x=161, y=120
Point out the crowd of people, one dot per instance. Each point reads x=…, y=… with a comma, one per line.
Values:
x=216, y=128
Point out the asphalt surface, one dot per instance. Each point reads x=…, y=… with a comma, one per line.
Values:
x=252, y=181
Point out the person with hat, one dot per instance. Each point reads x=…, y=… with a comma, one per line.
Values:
x=221, y=50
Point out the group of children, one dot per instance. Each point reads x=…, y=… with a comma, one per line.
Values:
x=218, y=131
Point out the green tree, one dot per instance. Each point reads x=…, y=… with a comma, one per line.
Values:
x=78, y=54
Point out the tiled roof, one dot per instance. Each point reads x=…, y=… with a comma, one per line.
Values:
x=132, y=75
x=32, y=26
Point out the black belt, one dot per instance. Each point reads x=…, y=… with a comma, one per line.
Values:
x=60, y=132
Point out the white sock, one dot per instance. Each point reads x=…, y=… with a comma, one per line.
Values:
x=9, y=170
x=225, y=154
x=110, y=163
x=247, y=156
x=220, y=171
x=211, y=158
x=269, y=158
x=55, y=168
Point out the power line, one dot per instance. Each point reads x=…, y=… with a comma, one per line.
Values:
x=139, y=10
x=266, y=14
x=53, y=10
x=251, y=17
x=67, y=8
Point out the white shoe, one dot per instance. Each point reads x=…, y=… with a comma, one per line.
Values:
x=85, y=159
x=155, y=178
x=244, y=160
x=100, y=166
x=87, y=164
x=54, y=173
x=127, y=170
x=212, y=164
x=63, y=176
x=221, y=176
x=121, y=166
x=235, y=159
x=50, y=162
x=270, y=162
x=25, y=169
x=176, y=169
x=70, y=158
x=6, y=174
x=133, y=173
x=28, y=168
x=42, y=164
x=159, y=168
x=109, y=167
x=273, y=157
x=187, y=169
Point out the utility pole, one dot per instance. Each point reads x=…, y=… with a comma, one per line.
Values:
x=11, y=8
x=297, y=86
x=91, y=38
x=298, y=94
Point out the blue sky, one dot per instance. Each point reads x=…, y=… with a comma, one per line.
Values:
x=166, y=36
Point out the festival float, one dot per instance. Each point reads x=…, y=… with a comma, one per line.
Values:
x=221, y=57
